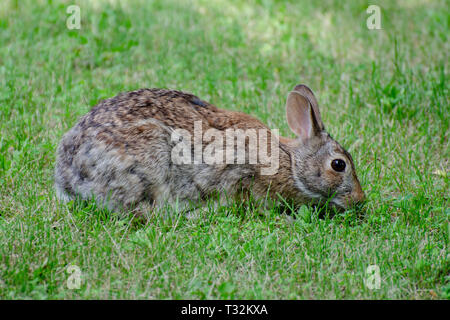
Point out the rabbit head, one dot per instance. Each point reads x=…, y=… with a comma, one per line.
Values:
x=322, y=169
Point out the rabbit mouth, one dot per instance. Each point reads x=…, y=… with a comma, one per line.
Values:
x=329, y=206
x=338, y=204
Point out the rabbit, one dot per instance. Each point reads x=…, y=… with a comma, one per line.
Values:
x=122, y=154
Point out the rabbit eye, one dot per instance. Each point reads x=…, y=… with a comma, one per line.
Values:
x=338, y=165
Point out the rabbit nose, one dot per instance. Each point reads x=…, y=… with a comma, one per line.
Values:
x=358, y=195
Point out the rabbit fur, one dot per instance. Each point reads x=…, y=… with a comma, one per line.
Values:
x=121, y=153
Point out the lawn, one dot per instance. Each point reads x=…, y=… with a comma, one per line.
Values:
x=384, y=95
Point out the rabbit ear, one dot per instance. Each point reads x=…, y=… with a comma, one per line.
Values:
x=307, y=92
x=300, y=116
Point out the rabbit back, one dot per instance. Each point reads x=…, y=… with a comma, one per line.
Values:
x=120, y=152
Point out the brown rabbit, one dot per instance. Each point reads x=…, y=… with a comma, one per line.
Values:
x=122, y=153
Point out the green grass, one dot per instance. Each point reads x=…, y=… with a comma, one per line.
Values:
x=383, y=93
